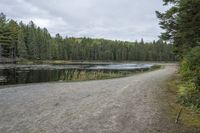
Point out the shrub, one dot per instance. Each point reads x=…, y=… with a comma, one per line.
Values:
x=185, y=68
x=189, y=91
x=190, y=66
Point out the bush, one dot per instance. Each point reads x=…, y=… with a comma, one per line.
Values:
x=189, y=90
x=189, y=94
x=185, y=68
x=190, y=66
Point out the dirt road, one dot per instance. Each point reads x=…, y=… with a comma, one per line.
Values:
x=125, y=105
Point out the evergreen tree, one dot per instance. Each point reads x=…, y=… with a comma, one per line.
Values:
x=181, y=24
x=21, y=46
x=32, y=42
x=5, y=37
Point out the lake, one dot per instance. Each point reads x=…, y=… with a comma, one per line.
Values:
x=11, y=74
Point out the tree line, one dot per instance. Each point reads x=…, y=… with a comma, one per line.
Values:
x=28, y=41
x=182, y=29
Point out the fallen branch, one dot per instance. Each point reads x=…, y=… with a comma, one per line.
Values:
x=178, y=116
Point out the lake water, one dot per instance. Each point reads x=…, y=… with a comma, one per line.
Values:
x=21, y=74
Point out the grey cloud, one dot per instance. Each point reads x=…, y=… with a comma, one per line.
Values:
x=111, y=19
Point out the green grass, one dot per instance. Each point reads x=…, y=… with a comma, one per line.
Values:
x=190, y=117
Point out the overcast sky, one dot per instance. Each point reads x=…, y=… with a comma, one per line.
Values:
x=110, y=19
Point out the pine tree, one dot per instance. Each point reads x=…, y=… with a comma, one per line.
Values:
x=181, y=24
x=21, y=46
x=5, y=37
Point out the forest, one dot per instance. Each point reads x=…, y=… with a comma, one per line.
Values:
x=182, y=29
x=28, y=41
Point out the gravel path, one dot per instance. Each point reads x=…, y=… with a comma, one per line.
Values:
x=125, y=105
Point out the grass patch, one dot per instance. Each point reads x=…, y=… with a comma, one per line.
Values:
x=99, y=75
x=85, y=75
x=190, y=117
x=93, y=75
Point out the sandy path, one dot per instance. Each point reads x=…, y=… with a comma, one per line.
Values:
x=125, y=105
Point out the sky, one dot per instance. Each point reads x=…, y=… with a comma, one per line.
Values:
x=128, y=20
